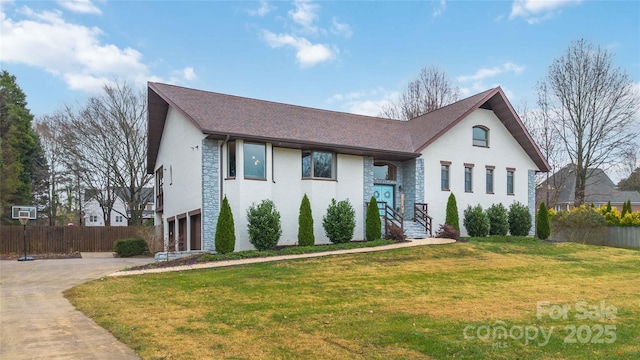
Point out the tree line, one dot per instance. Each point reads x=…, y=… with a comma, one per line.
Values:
x=95, y=150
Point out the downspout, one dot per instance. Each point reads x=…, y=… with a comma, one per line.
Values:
x=221, y=167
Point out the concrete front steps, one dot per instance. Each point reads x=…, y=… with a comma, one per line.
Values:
x=413, y=230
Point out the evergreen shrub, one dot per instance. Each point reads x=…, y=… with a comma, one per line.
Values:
x=264, y=225
x=130, y=247
x=374, y=224
x=305, y=224
x=339, y=221
x=476, y=221
x=452, y=217
x=519, y=219
x=543, y=227
x=225, y=239
x=498, y=220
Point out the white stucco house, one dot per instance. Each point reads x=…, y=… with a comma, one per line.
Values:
x=205, y=145
x=120, y=213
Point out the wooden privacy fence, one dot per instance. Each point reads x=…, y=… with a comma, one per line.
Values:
x=68, y=239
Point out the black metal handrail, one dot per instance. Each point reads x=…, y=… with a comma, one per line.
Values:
x=421, y=216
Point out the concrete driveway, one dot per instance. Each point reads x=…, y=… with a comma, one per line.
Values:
x=37, y=322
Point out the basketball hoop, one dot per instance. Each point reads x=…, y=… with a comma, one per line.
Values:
x=24, y=220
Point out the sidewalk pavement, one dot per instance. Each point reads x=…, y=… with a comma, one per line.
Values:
x=225, y=263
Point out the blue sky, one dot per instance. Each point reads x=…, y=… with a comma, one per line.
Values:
x=351, y=56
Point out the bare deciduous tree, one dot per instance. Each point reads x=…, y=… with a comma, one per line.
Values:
x=50, y=129
x=105, y=145
x=539, y=124
x=593, y=107
x=430, y=91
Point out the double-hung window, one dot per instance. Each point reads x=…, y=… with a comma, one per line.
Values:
x=489, y=176
x=510, y=181
x=468, y=177
x=318, y=164
x=444, y=175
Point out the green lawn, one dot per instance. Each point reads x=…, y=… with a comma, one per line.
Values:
x=448, y=301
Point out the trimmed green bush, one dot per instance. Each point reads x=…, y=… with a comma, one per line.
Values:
x=225, y=229
x=608, y=206
x=452, y=217
x=339, y=221
x=543, y=228
x=264, y=225
x=305, y=224
x=130, y=247
x=476, y=221
x=498, y=220
x=519, y=219
x=374, y=224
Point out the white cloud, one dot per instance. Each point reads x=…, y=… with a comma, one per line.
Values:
x=183, y=75
x=263, y=10
x=189, y=74
x=484, y=73
x=73, y=52
x=80, y=6
x=364, y=102
x=305, y=14
x=439, y=10
x=307, y=53
x=535, y=11
x=339, y=28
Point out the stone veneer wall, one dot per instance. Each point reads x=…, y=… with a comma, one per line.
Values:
x=367, y=184
x=532, y=200
x=409, y=187
x=210, y=192
x=413, y=188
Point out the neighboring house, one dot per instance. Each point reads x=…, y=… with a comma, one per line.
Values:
x=204, y=146
x=93, y=214
x=559, y=190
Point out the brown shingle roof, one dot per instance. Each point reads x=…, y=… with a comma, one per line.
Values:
x=220, y=115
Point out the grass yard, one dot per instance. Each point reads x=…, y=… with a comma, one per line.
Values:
x=498, y=298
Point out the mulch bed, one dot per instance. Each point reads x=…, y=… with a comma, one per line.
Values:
x=75, y=255
x=189, y=260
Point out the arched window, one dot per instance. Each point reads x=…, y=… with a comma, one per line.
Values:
x=384, y=171
x=480, y=136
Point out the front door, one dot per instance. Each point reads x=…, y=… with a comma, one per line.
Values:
x=384, y=193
